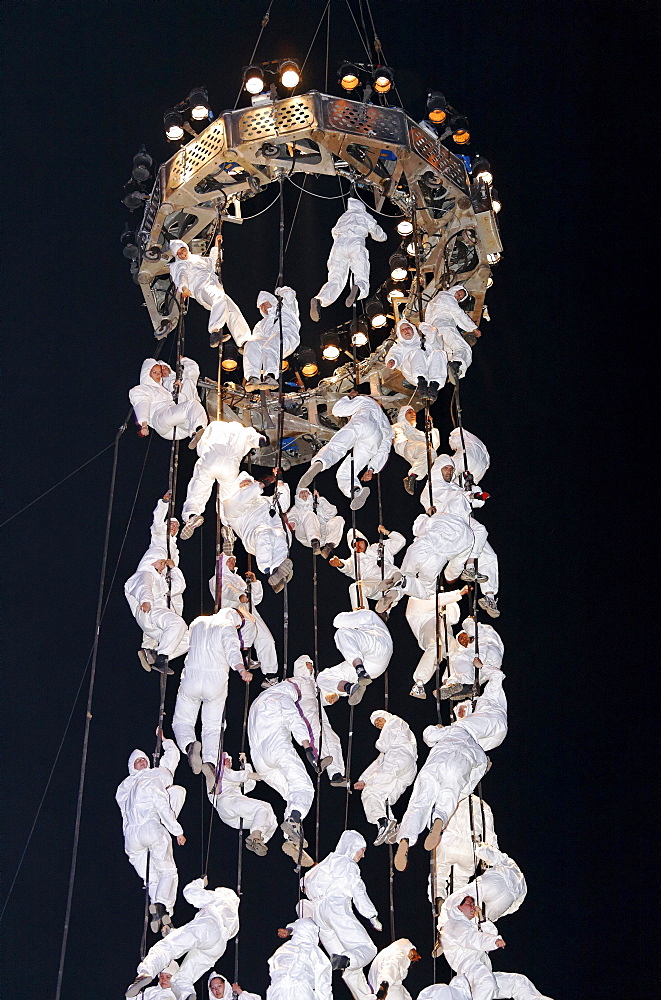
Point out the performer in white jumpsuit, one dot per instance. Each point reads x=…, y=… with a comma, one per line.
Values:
x=324, y=742
x=477, y=457
x=421, y=616
x=487, y=722
x=349, y=256
x=256, y=521
x=203, y=940
x=216, y=647
x=462, y=659
x=154, y=405
x=299, y=970
x=439, y=539
x=457, y=990
x=363, y=443
x=466, y=944
x=424, y=369
x=228, y=793
x=445, y=313
x=195, y=275
x=275, y=718
x=366, y=645
x=220, y=449
x=390, y=969
x=159, y=530
x=234, y=594
x=163, y=991
x=369, y=558
x=332, y=888
x=261, y=354
x=499, y=891
x=411, y=444
x=387, y=778
x=164, y=631
x=221, y=989
x=456, y=851
x=150, y=804
x=316, y=522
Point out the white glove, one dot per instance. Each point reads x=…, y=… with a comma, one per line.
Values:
x=376, y=924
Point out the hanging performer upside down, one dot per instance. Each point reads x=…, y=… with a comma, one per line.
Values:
x=216, y=647
x=445, y=313
x=155, y=597
x=261, y=354
x=228, y=793
x=220, y=450
x=500, y=890
x=411, y=444
x=333, y=888
x=421, y=616
x=195, y=275
x=203, y=940
x=388, y=777
x=455, y=856
x=463, y=662
x=154, y=405
x=363, y=443
x=150, y=804
x=246, y=594
x=366, y=645
x=424, y=368
x=348, y=256
x=316, y=522
x=370, y=571
x=299, y=969
x=256, y=520
x=390, y=968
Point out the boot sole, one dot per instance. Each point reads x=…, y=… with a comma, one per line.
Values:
x=402, y=856
x=292, y=851
x=357, y=696
x=433, y=838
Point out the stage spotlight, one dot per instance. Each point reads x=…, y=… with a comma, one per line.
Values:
x=134, y=200
x=436, y=107
x=394, y=291
x=330, y=346
x=305, y=361
x=496, y=203
x=142, y=164
x=360, y=335
x=382, y=79
x=290, y=74
x=405, y=227
x=253, y=79
x=481, y=170
x=399, y=266
x=489, y=281
x=375, y=312
x=460, y=131
x=230, y=360
x=348, y=76
x=493, y=258
x=198, y=102
x=173, y=124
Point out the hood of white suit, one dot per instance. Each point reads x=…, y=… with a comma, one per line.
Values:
x=305, y=931
x=136, y=755
x=414, y=340
x=355, y=205
x=350, y=843
x=380, y=714
x=175, y=245
x=358, y=534
x=300, y=668
x=146, y=367
x=227, y=993
x=266, y=297
x=401, y=416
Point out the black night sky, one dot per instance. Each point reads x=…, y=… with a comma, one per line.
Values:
x=556, y=98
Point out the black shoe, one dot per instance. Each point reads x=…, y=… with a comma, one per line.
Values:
x=352, y=296
x=161, y=664
x=339, y=781
x=310, y=756
x=156, y=913
x=292, y=826
x=382, y=991
x=315, y=306
x=409, y=484
x=326, y=551
x=433, y=390
x=215, y=338
x=315, y=544
x=466, y=691
x=339, y=963
x=454, y=370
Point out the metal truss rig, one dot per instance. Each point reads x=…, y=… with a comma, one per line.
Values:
x=242, y=152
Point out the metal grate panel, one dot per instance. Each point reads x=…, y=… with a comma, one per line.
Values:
x=152, y=206
x=369, y=120
x=275, y=119
x=439, y=157
x=193, y=156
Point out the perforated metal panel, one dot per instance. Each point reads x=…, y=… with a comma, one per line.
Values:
x=439, y=157
x=193, y=156
x=369, y=120
x=274, y=120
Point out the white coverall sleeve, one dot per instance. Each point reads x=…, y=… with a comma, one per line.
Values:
x=197, y=895
x=229, y=640
x=165, y=812
x=191, y=370
x=143, y=589
x=459, y=317
x=380, y=456
x=170, y=757
x=473, y=938
x=375, y=230
x=395, y=354
x=140, y=399
x=394, y=542
x=361, y=900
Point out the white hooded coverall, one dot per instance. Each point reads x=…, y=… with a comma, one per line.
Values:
x=159, y=533
x=498, y=891
x=439, y=539
x=153, y=404
x=220, y=450
x=216, y=646
x=445, y=313
x=157, y=992
x=477, y=456
x=228, y=992
x=369, y=569
x=414, y=362
x=332, y=888
x=456, y=852
x=349, y=253
x=234, y=594
x=233, y=805
x=273, y=720
x=163, y=627
x=359, y=635
x=318, y=520
x=487, y=722
x=455, y=764
x=465, y=946
x=262, y=349
x=368, y=433
x=461, y=658
x=457, y=990
x=198, y=275
x=324, y=742
x=421, y=616
x=203, y=939
x=256, y=521
x=411, y=445
x=388, y=777
x=150, y=804
x=299, y=969
x=391, y=966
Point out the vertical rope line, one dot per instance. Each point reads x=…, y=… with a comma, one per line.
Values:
x=88, y=713
x=349, y=748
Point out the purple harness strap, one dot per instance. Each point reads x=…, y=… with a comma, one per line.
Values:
x=302, y=713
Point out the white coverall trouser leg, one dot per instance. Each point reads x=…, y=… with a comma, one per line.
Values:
x=223, y=310
x=281, y=768
x=429, y=364
x=186, y=416
x=426, y=636
x=374, y=654
x=341, y=260
x=516, y=986
x=327, y=532
x=336, y=449
x=232, y=807
x=154, y=840
x=265, y=645
x=461, y=872
x=481, y=979
x=488, y=564
x=202, y=950
x=207, y=689
x=264, y=355
x=426, y=557
x=341, y=933
x=381, y=787
x=417, y=456
x=435, y=797
x=166, y=629
x=201, y=484
x=270, y=546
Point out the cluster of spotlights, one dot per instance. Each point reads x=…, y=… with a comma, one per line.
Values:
x=445, y=121
x=354, y=75
x=196, y=105
x=287, y=72
x=481, y=171
x=334, y=342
